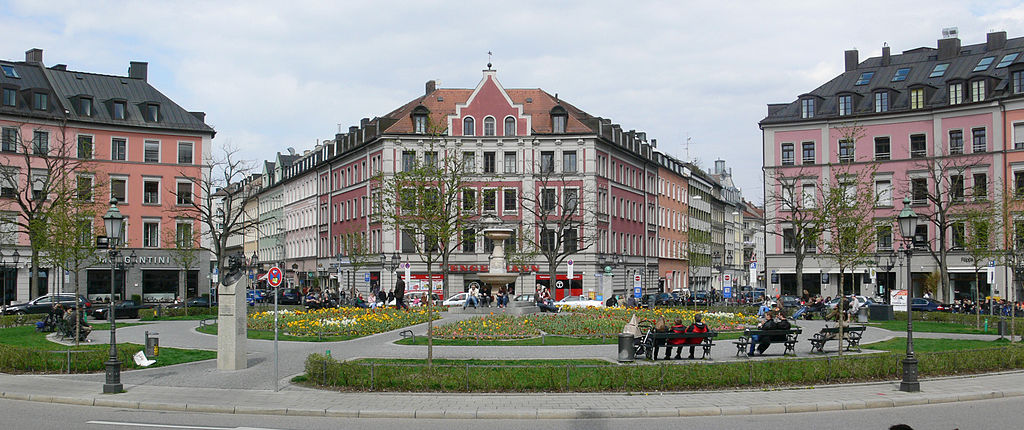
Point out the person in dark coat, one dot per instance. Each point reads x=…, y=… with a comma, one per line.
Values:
x=400, y=295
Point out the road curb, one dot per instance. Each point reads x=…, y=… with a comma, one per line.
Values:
x=540, y=414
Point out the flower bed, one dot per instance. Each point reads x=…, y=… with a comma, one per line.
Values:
x=338, y=321
x=581, y=322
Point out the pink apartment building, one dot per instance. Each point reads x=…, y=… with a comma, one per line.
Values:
x=138, y=143
x=944, y=121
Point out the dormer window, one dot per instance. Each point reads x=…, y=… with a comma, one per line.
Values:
x=85, y=106
x=489, y=126
x=468, y=126
x=978, y=91
x=864, y=78
x=119, y=110
x=983, y=64
x=882, y=101
x=1018, y=81
x=510, y=126
x=917, y=98
x=10, y=97
x=419, y=120
x=152, y=112
x=9, y=71
x=956, y=93
x=845, y=105
x=558, y=119
x=807, y=108
x=40, y=101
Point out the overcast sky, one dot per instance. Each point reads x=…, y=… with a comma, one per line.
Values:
x=276, y=74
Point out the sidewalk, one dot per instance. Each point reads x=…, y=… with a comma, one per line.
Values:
x=301, y=401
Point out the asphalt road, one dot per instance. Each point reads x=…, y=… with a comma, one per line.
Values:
x=989, y=414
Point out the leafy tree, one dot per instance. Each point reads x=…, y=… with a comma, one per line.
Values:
x=975, y=232
x=185, y=253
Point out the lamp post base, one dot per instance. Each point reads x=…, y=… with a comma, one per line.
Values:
x=113, y=383
x=910, y=383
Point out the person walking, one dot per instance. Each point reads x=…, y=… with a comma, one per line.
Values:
x=400, y=295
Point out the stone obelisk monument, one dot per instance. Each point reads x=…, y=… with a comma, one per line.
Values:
x=231, y=318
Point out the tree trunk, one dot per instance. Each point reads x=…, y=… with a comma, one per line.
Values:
x=839, y=306
x=799, y=275
x=33, y=275
x=430, y=315
x=977, y=309
x=78, y=310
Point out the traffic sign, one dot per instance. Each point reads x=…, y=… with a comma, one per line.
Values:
x=274, y=277
x=366, y=277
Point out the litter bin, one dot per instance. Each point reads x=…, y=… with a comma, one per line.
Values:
x=880, y=312
x=862, y=315
x=626, y=351
x=152, y=344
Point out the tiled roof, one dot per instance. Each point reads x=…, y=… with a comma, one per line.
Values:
x=921, y=62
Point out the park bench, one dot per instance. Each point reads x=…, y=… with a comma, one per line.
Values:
x=660, y=339
x=67, y=330
x=743, y=343
x=852, y=336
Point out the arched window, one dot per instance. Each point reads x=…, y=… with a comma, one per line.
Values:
x=489, y=126
x=510, y=126
x=419, y=119
x=468, y=127
x=558, y=119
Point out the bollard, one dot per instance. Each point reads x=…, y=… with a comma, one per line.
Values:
x=986, y=325
x=152, y=344
x=626, y=351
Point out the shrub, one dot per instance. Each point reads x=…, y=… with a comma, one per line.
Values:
x=16, y=359
x=150, y=314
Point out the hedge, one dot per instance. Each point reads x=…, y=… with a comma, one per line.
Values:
x=16, y=359
x=150, y=314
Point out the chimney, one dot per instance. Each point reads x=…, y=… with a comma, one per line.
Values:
x=851, y=60
x=363, y=122
x=996, y=41
x=138, y=70
x=34, y=56
x=431, y=86
x=949, y=48
x=886, y=59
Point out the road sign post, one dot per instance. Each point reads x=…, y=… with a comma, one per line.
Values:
x=274, y=278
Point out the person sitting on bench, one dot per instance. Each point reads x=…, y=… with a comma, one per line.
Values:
x=776, y=321
x=677, y=327
x=698, y=326
x=71, y=317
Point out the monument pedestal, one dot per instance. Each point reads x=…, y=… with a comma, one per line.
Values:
x=231, y=327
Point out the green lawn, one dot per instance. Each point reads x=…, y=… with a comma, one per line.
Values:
x=935, y=327
x=269, y=335
x=27, y=335
x=536, y=341
x=931, y=345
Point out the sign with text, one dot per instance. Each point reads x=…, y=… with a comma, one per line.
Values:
x=898, y=298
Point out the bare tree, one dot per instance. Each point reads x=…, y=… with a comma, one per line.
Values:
x=795, y=213
x=185, y=252
x=974, y=232
x=356, y=248
x=36, y=172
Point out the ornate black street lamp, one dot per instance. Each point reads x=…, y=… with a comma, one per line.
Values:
x=395, y=261
x=886, y=262
x=908, y=227
x=113, y=220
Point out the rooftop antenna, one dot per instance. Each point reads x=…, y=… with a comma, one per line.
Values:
x=489, y=60
x=687, y=148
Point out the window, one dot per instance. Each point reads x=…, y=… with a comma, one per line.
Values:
x=40, y=142
x=978, y=141
x=807, y=196
x=956, y=93
x=469, y=162
x=939, y=70
x=183, y=235
x=151, y=234
x=469, y=240
x=568, y=161
x=408, y=160
x=808, y=153
x=151, y=192
x=901, y=74
x=468, y=200
x=983, y=64
x=788, y=157
x=883, y=193
x=558, y=119
x=419, y=124
x=980, y=189
x=85, y=106
x=570, y=241
x=468, y=126
x=119, y=110
x=489, y=126
x=118, y=149
x=151, y=153
x=40, y=101
x=571, y=200
x=510, y=126
x=408, y=242
x=85, y=147
x=1007, y=59
x=510, y=162
x=118, y=189
x=9, y=71
x=788, y=240
x=489, y=161
x=864, y=78
x=547, y=240
x=917, y=98
x=184, y=152
x=9, y=97
x=429, y=159
x=490, y=201
x=884, y=234
x=807, y=108
x=919, y=191
x=10, y=140
x=956, y=188
x=957, y=230
x=152, y=112
x=845, y=151
x=508, y=200
x=956, y=142
x=1018, y=82
x=85, y=188
x=547, y=199
x=977, y=91
x=38, y=181
x=845, y=105
x=882, y=148
x=547, y=161
x=184, y=193
x=882, y=101
x=917, y=146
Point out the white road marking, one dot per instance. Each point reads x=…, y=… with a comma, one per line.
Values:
x=171, y=426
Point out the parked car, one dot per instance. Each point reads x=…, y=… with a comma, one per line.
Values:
x=122, y=309
x=43, y=304
x=253, y=297
x=579, y=302
x=665, y=299
x=194, y=302
x=790, y=301
x=699, y=298
x=289, y=296
x=456, y=300
x=919, y=304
